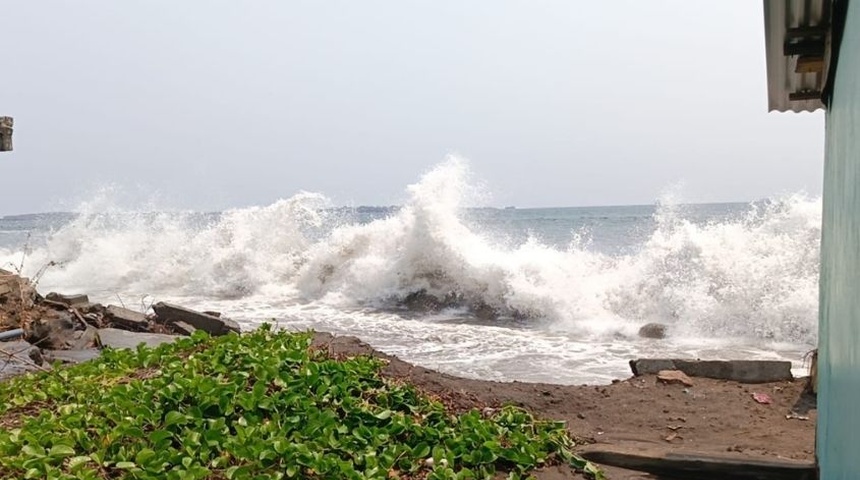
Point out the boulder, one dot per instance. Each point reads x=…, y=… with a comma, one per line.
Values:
x=171, y=314
x=125, y=318
x=744, y=371
x=653, y=330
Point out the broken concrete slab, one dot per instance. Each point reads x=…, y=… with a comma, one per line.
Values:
x=183, y=328
x=170, y=314
x=744, y=371
x=672, y=463
x=128, y=319
x=116, y=338
x=76, y=300
x=71, y=356
x=18, y=356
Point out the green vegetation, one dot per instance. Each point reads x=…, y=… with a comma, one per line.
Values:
x=257, y=406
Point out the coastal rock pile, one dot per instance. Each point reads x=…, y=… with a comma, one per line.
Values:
x=69, y=328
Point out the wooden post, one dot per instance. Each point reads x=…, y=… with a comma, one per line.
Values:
x=6, y=134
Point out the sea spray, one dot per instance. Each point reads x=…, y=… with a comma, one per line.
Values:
x=749, y=274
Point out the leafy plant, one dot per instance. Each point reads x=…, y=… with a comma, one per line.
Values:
x=262, y=405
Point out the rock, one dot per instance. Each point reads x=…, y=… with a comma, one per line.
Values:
x=128, y=319
x=84, y=339
x=183, y=328
x=71, y=356
x=653, y=330
x=214, y=314
x=68, y=300
x=744, y=371
x=170, y=314
x=674, y=376
x=421, y=301
x=116, y=338
x=56, y=331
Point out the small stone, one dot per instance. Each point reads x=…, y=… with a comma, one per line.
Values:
x=580, y=416
x=674, y=376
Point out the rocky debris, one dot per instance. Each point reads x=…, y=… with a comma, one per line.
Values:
x=116, y=338
x=184, y=328
x=71, y=356
x=54, y=331
x=78, y=300
x=18, y=357
x=743, y=371
x=674, y=377
x=71, y=329
x=126, y=319
x=171, y=314
x=653, y=330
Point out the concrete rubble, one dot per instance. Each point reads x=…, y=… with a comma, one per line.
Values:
x=743, y=371
x=71, y=329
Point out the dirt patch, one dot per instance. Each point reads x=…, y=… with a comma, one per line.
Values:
x=711, y=417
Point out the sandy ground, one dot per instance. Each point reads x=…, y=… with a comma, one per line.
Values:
x=712, y=417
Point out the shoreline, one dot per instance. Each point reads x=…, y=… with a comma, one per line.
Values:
x=715, y=417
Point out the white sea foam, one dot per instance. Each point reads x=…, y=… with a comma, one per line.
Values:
x=751, y=277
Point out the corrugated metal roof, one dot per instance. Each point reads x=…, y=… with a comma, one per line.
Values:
x=785, y=24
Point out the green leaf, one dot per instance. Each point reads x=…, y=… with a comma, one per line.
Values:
x=383, y=415
x=173, y=417
x=61, y=451
x=125, y=465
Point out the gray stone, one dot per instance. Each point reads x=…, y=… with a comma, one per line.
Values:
x=53, y=331
x=184, y=328
x=126, y=318
x=71, y=356
x=116, y=338
x=653, y=330
x=170, y=314
x=68, y=300
x=17, y=357
x=744, y=371
x=84, y=339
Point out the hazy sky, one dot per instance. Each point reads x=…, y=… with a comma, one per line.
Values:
x=214, y=104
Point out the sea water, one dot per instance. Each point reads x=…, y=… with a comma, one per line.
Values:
x=550, y=295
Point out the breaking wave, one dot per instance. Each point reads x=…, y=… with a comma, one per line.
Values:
x=754, y=275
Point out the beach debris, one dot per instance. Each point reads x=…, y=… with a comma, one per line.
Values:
x=127, y=319
x=170, y=314
x=13, y=334
x=796, y=416
x=653, y=330
x=762, y=398
x=674, y=428
x=70, y=301
x=116, y=338
x=674, y=377
x=743, y=371
x=672, y=437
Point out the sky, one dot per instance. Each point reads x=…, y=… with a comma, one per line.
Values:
x=208, y=105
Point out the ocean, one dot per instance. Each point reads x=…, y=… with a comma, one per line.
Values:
x=551, y=295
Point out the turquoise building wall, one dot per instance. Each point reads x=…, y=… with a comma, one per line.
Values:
x=838, y=435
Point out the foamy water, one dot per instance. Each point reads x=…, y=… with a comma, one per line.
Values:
x=525, y=299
